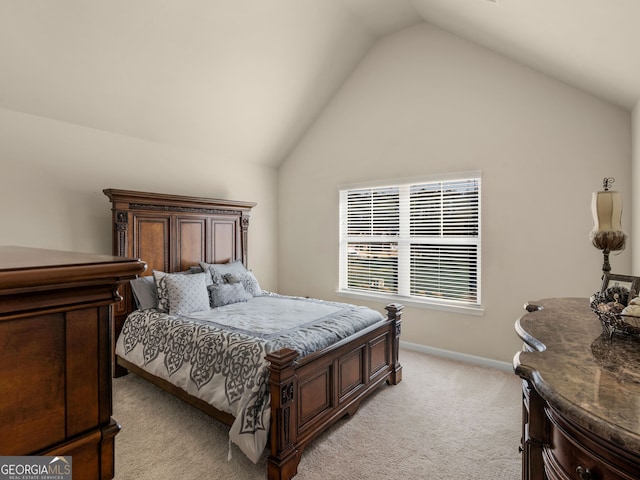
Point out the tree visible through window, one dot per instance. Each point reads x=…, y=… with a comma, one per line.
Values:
x=419, y=240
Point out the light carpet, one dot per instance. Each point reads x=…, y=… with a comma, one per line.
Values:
x=445, y=420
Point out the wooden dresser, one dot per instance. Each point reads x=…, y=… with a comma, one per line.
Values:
x=55, y=355
x=581, y=395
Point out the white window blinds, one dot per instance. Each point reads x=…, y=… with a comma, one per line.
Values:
x=418, y=240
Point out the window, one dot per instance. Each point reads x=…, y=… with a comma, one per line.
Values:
x=418, y=240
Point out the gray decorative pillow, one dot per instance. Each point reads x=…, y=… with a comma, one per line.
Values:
x=250, y=284
x=231, y=278
x=219, y=270
x=187, y=293
x=227, y=293
x=214, y=277
x=231, y=267
x=144, y=292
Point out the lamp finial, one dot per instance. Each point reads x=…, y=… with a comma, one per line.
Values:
x=607, y=182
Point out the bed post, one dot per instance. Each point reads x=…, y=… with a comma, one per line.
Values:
x=244, y=244
x=394, y=312
x=283, y=457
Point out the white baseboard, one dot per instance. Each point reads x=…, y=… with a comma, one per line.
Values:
x=463, y=357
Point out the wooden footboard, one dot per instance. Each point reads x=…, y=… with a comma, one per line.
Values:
x=310, y=395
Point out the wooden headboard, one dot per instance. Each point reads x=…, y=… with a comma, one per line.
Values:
x=172, y=233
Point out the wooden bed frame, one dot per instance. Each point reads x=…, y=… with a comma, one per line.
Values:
x=171, y=233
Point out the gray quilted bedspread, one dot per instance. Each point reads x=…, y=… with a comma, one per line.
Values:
x=218, y=355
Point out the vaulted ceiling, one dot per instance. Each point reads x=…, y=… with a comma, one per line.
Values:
x=243, y=79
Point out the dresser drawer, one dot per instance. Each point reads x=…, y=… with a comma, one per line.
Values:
x=92, y=453
x=572, y=456
x=564, y=463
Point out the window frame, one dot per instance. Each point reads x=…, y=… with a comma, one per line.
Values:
x=403, y=239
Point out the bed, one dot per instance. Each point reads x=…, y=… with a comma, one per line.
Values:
x=306, y=391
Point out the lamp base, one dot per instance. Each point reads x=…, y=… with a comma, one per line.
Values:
x=606, y=240
x=606, y=266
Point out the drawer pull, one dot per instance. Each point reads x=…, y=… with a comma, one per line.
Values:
x=585, y=473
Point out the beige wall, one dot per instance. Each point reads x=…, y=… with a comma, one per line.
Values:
x=53, y=174
x=425, y=102
x=635, y=205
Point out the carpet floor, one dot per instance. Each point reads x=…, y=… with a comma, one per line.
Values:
x=446, y=420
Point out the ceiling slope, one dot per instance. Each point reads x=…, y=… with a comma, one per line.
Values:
x=242, y=80
x=590, y=44
x=238, y=79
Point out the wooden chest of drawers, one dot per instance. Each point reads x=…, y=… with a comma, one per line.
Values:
x=581, y=416
x=55, y=355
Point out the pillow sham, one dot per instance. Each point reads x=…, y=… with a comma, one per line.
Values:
x=227, y=293
x=161, y=290
x=162, y=294
x=144, y=292
x=187, y=293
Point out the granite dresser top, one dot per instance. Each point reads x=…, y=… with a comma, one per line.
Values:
x=591, y=379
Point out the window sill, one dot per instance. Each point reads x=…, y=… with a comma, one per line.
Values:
x=411, y=302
